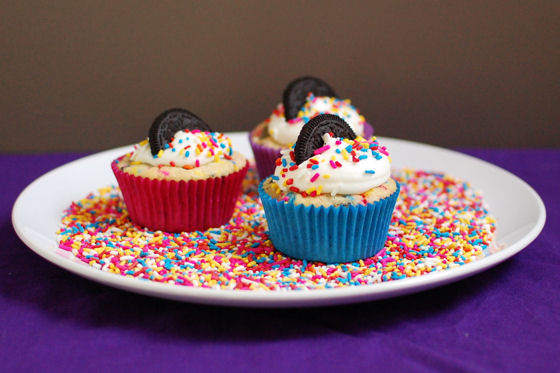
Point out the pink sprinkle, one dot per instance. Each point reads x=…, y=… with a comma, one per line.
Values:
x=197, y=163
x=333, y=165
x=383, y=150
x=322, y=149
x=315, y=177
x=295, y=120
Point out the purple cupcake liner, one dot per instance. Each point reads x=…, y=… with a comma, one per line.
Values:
x=368, y=130
x=265, y=158
x=335, y=234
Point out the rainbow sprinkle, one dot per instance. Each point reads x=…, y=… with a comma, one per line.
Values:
x=440, y=222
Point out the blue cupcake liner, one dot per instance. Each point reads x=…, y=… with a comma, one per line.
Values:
x=334, y=234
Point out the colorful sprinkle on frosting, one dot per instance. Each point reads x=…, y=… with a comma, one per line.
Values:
x=187, y=149
x=440, y=222
x=341, y=166
x=330, y=105
x=286, y=132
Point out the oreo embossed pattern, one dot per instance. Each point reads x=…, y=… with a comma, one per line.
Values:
x=439, y=222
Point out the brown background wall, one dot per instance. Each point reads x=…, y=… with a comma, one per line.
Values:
x=81, y=75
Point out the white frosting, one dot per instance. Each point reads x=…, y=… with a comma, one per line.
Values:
x=188, y=148
x=372, y=168
x=286, y=132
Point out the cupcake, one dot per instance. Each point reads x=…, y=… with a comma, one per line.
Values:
x=183, y=177
x=331, y=197
x=303, y=99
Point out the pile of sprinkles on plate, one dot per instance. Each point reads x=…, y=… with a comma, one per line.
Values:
x=439, y=222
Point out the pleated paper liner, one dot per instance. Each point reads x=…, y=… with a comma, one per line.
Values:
x=177, y=206
x=265, y=158
x=334, y=234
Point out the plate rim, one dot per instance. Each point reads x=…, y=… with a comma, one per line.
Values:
x=281, y=298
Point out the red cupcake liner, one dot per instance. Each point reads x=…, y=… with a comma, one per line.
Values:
x=180, y=206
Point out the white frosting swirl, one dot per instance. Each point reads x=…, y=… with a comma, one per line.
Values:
x=286, y=132
x=341, y=166
x=187, y=149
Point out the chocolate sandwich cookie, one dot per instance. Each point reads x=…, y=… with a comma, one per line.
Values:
x=296, y=92
x=169, y=122
x=311, y=136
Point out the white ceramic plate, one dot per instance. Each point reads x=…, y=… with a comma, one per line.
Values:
x=519, y=211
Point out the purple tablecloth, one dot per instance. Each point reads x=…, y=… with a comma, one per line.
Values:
x=504, y=319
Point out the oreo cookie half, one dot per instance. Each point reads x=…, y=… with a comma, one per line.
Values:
x=168, y=123
x=311, y=135
x=296, y=92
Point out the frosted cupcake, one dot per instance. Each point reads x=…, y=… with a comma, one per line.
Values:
x=303, y=99
x=183, y=177
x=331, y=197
